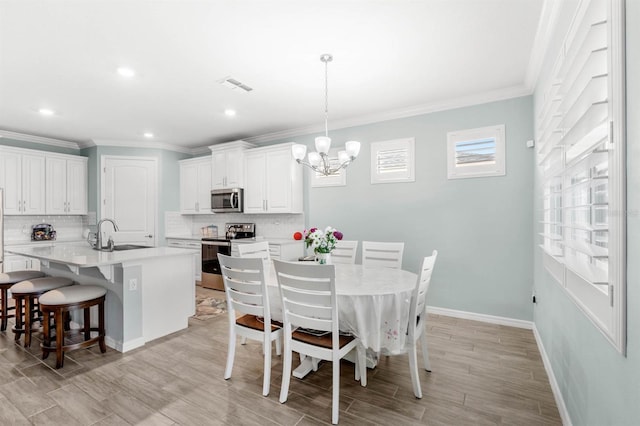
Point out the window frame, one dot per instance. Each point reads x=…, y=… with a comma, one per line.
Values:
x=398, y=177
x=497, y=168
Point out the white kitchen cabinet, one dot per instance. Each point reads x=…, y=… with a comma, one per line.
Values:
x=22, y=176
x=195, y=186
x=273, y=181
x=228, y=164
x=66, y=185
x=14, y=262
x=193, y=245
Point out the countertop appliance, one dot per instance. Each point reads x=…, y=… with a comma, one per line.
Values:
x=211, y=246
x=42, y=232
x=227, y=200
x=1, y=230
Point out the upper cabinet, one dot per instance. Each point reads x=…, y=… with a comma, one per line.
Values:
x=66, y=185
x=273, y=180
x=195, y=186
x=228, y=163
x=39, y=182
x=22, y=176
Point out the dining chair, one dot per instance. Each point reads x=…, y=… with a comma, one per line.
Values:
x=382, y=254
x=345, y=252
x=310, y=316
x=245, y=285
x=260, y=249
x=417, y=322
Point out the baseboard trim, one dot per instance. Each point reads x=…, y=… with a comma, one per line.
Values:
x=511, y=322
x=555, y=388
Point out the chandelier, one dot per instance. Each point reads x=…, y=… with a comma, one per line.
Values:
x=319, y=161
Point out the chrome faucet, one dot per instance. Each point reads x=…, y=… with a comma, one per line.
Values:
x=99, y=244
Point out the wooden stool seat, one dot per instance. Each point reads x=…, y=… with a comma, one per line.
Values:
x=7, y=279
x=26, y=292
x=59, y=302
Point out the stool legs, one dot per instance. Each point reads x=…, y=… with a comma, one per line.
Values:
x=103, y=346
x=5, y=308
x=28, y=319
x=59, y=318
x=19, y=328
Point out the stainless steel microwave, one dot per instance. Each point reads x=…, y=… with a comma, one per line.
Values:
x=227, y=200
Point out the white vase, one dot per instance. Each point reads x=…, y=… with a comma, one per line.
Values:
x=323, y=258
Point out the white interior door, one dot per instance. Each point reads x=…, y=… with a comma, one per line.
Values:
x=129, y=197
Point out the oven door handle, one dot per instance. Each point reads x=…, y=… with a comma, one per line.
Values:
x=217, y=243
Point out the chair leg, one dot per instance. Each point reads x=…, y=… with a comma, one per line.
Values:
x=425, y=351
x=18, y=328
x=59, y=318
x=101, y=333
x=87, y=323
x=413, y=369
x=28, y=317
x=335, y=400
x=231, y=352
x=286, y=372
x=46, y=334
x=5, y=309
x=266, y=381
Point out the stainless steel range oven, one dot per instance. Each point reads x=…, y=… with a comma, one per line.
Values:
x=211, y=274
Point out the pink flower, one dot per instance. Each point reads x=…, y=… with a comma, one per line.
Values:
x=338, y=235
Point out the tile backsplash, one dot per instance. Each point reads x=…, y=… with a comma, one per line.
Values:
x=272, y=225
x=17, y=229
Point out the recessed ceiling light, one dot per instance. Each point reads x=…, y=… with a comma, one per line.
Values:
x=126, y=72
x=230, y=112
x=148, y=135
x=45, y=111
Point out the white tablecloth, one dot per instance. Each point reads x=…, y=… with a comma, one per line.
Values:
x=373, y=304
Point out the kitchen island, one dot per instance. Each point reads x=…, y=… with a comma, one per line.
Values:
x=150, y=291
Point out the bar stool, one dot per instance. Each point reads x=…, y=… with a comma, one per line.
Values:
x=27, y=291
x=58, y=303
x=7, y=279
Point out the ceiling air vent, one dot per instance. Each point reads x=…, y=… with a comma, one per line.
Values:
x=233, y=84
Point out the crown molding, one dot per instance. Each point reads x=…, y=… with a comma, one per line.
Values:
x=544, y=32
x=139, y=144
x=38, y=139
x=463, y=101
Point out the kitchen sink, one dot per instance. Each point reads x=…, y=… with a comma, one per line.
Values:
x=122, y=247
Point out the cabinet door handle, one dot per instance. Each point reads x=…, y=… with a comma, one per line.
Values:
x=148, y=236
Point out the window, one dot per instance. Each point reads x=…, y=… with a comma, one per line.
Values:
x=393, y=161
x=580, y=132
x=476, y=153
x=337, y=179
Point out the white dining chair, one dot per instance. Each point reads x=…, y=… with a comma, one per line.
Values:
x=260, y=249
x=345, y=252
x=417, y=322
x=310, y=314
x=245, y=286
x=382, y=254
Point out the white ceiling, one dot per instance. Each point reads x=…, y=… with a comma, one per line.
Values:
x=391, y=58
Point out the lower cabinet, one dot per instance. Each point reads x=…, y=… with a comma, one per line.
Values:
x=287, y=251
x=192, y=245
x=14, y=262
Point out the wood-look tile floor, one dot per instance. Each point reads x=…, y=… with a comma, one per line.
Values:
x=482, y=374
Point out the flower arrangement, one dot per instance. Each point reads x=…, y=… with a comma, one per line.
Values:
x=322, y=241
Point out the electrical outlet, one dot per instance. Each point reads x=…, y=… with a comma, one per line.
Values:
x=133, y=284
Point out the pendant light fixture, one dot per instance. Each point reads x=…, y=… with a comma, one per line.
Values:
x=319, y=161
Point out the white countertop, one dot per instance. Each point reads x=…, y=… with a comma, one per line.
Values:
x=84, y=256
x=270, y=240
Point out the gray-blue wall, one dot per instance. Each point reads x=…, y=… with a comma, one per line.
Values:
x=600, y=386
x=482, y=227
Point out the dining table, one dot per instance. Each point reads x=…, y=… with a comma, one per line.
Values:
x=373, y=305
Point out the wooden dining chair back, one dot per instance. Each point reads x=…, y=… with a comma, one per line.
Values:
x=245, y=285
x=345, y=252
x=382, y=254
x=260, y=249
x=417, y=321
x=310, y=314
